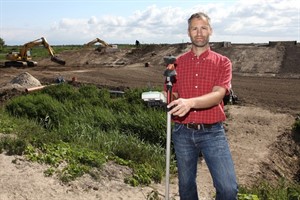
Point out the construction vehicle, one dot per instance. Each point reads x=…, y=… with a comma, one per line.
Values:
x=103, y=44
x=23, y=57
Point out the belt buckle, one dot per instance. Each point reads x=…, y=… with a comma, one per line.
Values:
x=194, y=126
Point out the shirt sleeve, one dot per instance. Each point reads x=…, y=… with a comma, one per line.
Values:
x=225, y=74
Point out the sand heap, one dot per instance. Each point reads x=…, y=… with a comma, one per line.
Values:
x=23, y=81
x=19, y=84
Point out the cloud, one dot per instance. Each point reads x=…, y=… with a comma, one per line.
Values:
x=260, y=21
x=93, y=20
x=238, y=21
x=152, y=25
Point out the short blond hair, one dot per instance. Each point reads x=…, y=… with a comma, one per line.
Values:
x=199, y=15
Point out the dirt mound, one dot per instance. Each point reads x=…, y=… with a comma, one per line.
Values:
x=21, y=82
x=90, y=57
x=264, y=60
x=283, y=160
x=246, y=59
x=17, y=86
x=290, y=64
x=261, y=143
x=26, y=80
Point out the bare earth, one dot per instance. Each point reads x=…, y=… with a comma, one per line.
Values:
x=258, y=126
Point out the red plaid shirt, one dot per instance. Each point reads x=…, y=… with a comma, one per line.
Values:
x=197, y=76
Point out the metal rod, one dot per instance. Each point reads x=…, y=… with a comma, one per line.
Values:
x=170, y=73
x=168, y=155
x=168, y=144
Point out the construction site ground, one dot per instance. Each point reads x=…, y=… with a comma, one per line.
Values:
x=266, y=80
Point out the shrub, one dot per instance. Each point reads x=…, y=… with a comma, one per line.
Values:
x=42, y=108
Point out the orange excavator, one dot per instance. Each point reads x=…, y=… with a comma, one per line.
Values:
x=23, y=57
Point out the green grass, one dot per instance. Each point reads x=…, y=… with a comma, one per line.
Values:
x=64, y=118
x=38, y=52
x=75, y=130
x=266, y=191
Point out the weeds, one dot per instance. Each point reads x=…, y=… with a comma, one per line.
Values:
x=88, y=120
x=267, y=191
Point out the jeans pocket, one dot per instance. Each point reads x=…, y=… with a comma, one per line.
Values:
x=177, y=127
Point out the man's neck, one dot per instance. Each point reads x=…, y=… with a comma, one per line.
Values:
x=199, y=50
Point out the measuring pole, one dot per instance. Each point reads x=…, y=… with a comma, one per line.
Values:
x=170, y=74
x=168, y=151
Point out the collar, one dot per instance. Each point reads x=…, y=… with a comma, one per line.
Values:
x=202, y=56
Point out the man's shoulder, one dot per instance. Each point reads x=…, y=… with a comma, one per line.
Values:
x=184, y=55
x=214, y=53
x=218, y=56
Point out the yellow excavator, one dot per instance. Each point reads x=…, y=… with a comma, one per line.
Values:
x=23, y=57
x=103, y=44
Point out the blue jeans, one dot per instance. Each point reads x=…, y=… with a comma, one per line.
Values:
x=213, y=145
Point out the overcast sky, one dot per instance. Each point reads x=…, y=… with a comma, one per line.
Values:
x=64, y=22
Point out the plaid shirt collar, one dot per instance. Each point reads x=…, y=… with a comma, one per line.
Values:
x=205, y=54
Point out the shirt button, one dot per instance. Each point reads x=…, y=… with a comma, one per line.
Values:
x=196, y=86
x=196, y=74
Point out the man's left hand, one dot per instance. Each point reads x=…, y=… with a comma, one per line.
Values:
x=180, y=107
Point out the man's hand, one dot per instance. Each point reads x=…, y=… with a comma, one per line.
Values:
x=180, y=107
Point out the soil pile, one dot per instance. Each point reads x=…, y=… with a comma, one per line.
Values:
x=26, y=80
x=21, y=82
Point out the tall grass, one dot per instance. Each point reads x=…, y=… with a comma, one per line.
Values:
x=122, y=128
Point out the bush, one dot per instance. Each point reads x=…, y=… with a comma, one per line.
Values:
x=42, y=108
x=13, y=146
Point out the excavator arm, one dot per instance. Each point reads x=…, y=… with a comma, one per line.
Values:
x=19, y=59
x=97, y=40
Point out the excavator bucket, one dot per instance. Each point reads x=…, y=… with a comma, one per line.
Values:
x=58, y=60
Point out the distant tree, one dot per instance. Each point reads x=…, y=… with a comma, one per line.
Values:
x=2, y=43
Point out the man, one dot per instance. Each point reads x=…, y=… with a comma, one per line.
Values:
x=203, y=78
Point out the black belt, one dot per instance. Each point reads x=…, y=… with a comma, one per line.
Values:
x=199, y=126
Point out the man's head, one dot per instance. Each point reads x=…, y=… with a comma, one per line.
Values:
x=199, y=29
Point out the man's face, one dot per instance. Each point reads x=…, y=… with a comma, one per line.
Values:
x=199, y=32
